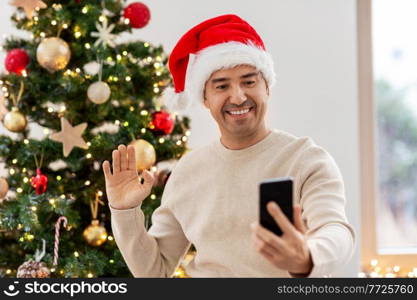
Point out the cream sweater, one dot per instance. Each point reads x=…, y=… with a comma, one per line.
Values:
x=211, y=198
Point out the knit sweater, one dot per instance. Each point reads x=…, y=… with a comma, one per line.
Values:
x=212, y=197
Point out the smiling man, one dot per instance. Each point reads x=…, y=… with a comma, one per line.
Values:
x=211, y=199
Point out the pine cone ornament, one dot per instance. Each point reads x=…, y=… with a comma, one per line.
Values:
x=33, y=269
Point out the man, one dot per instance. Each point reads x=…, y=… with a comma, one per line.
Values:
x=211, y=197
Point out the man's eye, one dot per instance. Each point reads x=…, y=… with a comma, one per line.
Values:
x=249, y=82
x=221, y=87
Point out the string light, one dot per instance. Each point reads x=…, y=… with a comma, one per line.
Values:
x=117, y=122
x=126, y=21
x=124, y=53
x=26, y=141
x=52, y=201
x=102, y=18
x=25, y=180
x=128, y=78
x=87, y=183
x=8, y=271
x=14, y=161
x=87, y=46
x=153, y=197
x=119, y=57
x=59, y=178
x=12, y=171
x=143, y=130
x=178, y=143
x=84, y=10
x=161, y=140
x=33, y=208
x=156, y=90
x=111, y=261
x=144, y=112
x=88, y=156
x=125, y=124
x=19, y=190
x=146, y=44
x=53, y=22
x=62, y=196
x=46, y=131
x=76, y=254
x=50, y=109
x=90, y=275
x=42, y=34
x=65, y=26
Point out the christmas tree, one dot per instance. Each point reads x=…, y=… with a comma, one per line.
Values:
x=87, y=93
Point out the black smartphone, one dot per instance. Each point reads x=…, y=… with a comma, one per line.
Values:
x=280, y=191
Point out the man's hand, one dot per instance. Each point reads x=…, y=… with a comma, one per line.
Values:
x=123, y=188
x=289, y=251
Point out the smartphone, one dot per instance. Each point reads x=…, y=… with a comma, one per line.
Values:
x=280, y=191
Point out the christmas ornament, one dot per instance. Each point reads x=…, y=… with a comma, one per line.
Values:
x=104, y=35
x=98, y=92
x=29, y=6
x=162, y=122
x=4, y=187
x=16, y=61
x=56, y=244
x=95, y=234
x=53, y=54
x=39, y=182
x=145, y=154
x=3, y=108
x=36, y=268
x=70, y=136
x=138, y=14
x=92, y=68
x=14, y=120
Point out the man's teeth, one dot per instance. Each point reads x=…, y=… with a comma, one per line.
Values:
x=239, y=112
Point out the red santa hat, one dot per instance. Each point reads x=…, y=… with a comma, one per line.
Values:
x=222, y=42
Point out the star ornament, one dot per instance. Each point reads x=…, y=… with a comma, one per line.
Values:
x=28, y=6
x=103, y=34
x=70, y=136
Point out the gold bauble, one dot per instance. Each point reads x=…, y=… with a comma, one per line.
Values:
x=98, y=92
x=145, y=154
x=95, y=234
x=53, y=54
x=4, y=188
x=14, y=120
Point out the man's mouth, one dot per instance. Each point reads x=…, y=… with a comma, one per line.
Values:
x=240, y=112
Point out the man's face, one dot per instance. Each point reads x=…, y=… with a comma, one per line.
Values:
x=237, y=99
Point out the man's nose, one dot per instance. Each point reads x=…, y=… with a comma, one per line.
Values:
x=237, y=95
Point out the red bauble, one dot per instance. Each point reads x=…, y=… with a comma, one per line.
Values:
x=16, y=61
x=39, y=182
x=162, y=122
x=138, y=14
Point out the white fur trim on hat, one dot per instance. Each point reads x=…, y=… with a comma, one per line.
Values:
x=223, y=56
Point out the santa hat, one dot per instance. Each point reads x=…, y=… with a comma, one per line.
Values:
x=221, y=42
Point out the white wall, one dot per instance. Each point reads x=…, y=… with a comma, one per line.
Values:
x=313, y=44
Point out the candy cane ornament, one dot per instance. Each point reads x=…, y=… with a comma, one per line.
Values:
x=57, y=226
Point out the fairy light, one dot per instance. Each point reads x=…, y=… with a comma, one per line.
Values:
x=100, y=193
x=19, y=190
x=12, y=171
x=153, y=196
x=87, y=45
x=26, y=141
x=77, y=34
x=178, y=143
x=53, y=270
x=158, y=73
x=126, y=21
x=25, y=180
x=85, y=10
x=128, y=78
x=65, y=26
x=374, y=262
x=46, y=131
x=125, y=124
x=111, y=261
x=53, y=22
x=110, y=238
x=61, y=271
x=24, y=73
x=78, y=70
x=87, y=183
x=63, y=108
x=131, y=108
x=116, y=79
x=161, y=140
x=109, y=59
x=19, y=226
x=146, y=44
x=90, y=275
x=124, y=53
x=42, y=34
x=119, y=57
x=156, y=65
x=144, y=112
x=24, y=170
x=76, y=254
x=143, y=130
x=14, y=161
x=21, y=239
x=52, y=201
x=102, y=18
x=156, y=90
x=59, y=178
x=188, y=133
x=88, y=144
x=33, y=208
x=62, y=196
x=117, y=122
x=8, y=271
x=184, y=139
x=36, y=19
x=149, y=59
x=50, y=109
x=88, y=156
